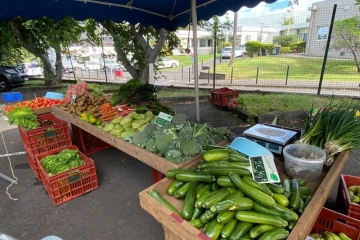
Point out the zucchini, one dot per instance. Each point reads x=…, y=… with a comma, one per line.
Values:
x=232, y=151
x=228, y=228
x=275, y=234
x=302, y=182
x=259, y=230
x=315, y=235
x=172, y=188
x=291, y=225
x=238, y=158
x=330, y=236
x=155, y=194
x=189, y=202
x=213, y=229
x=343, y=236
x=224, y=181
x=260, y=218
x=240, y=230
x=225, y=216
x=286, y=186
x=224, y=171
x=214, y=186
x=200, y=201
x=207, y=216
x=305, y=190
x=202, y=190
x=233, y=205
x=294, y=201
x=196, y=223
x=275, y=188
x=255, y=194
x=246, y=237
x=195, y=177
x=213, y=147
x=218, y=196
x=223, y=164
x=173, y=172
x=307, y=201
x=181, y=192
x=216, y=155
x=281, y=199
x=271, y=211
x=293, y=215
x=262, y=187
x=301, y=206
x=197, y=213
x=234, y=195
x=179, y=184
x=199, y=186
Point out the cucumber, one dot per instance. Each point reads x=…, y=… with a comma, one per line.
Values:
x=163, y=201
x=181, y=192
x=334, y=236
x=281, y=199
x=202, y=190
x=330, y=236
x=291, y=225
x=199, y=186
x=302, y=182
x=214, y=186
x=173, y=172
x=246, y=237
x=189, y=202
x=275, y=234
x=286, y=186
x=240, y=230
x=196, y=223
x=262, y=187
x=255, y=194
x=172, y=188
x=179, y=184
x=228, y=228
x=217, y=197
x=238, y=158
x=207, y=216
x=294, y=201
x=225, y=216
x=293, y=215
x=216, y=155
x=213, y=147
x=259, y=230
x=301, y=206
x=232, y=151
x=275, y=188
x=233, y=205
x=343, y=236
x=305, y=190
x=224, y=181
x=224, y=171
x=234, y=195
x=272, y=211
x=260, y=218
x=197, y=213
x=195, y=177
x=307, y=201
x=213, y=229
x=200, y=201
x=223, y=164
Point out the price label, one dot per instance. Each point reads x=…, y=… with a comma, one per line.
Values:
x=163, y=119
x=264, y=170
x=73, y=99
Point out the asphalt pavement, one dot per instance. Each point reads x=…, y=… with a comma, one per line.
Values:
x=110, y=212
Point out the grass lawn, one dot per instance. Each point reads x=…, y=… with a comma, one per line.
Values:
x=186, y=61
x=300, y=68
x=257, y=104
x=182, y=93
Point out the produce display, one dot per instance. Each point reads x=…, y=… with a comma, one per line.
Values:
x=222, y=199
x=82, y=87
x=39, y=102
x=329, y=236
x=354, y=193
x=61, y=162
x=23, y=117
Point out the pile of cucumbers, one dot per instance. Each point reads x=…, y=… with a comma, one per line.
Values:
x=329, y=236
x=221, y=198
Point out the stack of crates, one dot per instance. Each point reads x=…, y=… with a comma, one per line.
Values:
x=222, y=96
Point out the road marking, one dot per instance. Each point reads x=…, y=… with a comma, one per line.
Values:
x=12, y=154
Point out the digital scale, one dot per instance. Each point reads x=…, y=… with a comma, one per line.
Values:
x=272, y=137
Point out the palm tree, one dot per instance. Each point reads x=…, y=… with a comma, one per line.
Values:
x=287, y=22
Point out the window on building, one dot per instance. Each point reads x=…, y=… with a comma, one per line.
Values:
x=203, y=43
x=322, y=33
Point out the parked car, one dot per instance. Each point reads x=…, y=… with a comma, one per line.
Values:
x=164, y=62
x=32, y=69
x=11, y=76
x=111, y=64
x=226, y=52
x=91, y=66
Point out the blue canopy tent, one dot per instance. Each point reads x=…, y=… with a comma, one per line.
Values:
x=167, y=14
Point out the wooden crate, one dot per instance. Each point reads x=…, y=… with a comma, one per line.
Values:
x=149, y=158
x=176, y=228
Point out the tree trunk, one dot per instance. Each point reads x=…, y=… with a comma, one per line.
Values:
x=234, y=40
x=356, y=60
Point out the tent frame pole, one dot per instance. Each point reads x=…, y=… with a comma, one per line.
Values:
x=196, y=64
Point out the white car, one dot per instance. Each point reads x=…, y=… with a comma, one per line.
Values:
x=91, y=66
x=111, y=64
x=32, y=69
x=226, y=52
x=164, y=62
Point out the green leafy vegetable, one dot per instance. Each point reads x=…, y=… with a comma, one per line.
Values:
x=96, y=89
x=24, y=117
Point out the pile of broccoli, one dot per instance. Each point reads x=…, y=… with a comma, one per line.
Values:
x=180, y=140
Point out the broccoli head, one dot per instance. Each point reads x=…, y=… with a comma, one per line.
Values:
x=186, y=133
x=150, y=145
x=140, y=139
x=171, y=132
x=150, y=129
x=163, y=142
x=169, y=126
x=190, y=148
x=217, y=138
x=174, y=156
x=179, y=120
x=204, y=140
x=222, y=131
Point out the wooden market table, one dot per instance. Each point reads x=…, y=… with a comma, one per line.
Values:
x=156, y=162
x=176, y=228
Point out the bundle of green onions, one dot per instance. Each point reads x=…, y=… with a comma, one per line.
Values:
x=335, y=129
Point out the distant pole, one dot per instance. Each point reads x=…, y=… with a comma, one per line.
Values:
x=287, y=74
x=214, y=77
x=257, y=74
x=182, y=71
x=103, y=57
x=232, y=74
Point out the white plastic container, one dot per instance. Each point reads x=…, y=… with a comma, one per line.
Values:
x=304, y=161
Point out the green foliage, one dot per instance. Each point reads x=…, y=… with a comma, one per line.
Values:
x=285, y=41
x=288, y=21
x=24, y=117
x=227, y=44
x=96, y=89
x=300, y=46
x=267, y=48
x=61, y=162
x=286, y=50
x=253, y=48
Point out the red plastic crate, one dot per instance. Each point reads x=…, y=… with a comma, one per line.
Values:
x=70, y=184
x=331, y=221
x=86, y=142
x=352, y=210
x=222, y=96
x=44, y=139
x=33, y=164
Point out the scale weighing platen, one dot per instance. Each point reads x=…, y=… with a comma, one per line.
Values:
x=270, y=137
